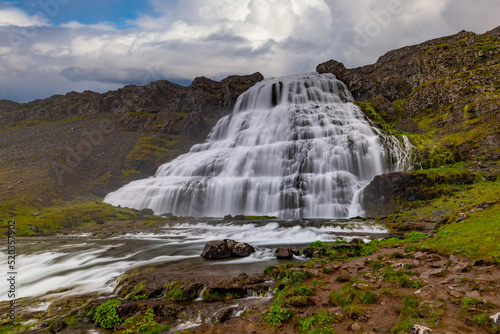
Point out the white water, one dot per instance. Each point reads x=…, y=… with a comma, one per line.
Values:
x=294, y=147
x=80, y=264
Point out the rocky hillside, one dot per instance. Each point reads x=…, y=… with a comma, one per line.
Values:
x=87, y=143
x=446, y=90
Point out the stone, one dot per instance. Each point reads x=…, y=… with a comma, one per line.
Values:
x=147, y=211
x=461, y=216
x=355, y=327
x=239, y=249
x=216, y=250
x=284, y=253
x=454, y=292
x=418, y=329
x=308, y=252
x=126, y=310
x=495, y=320
x=99, y=221
x=35, y=214
x=34, y=228
x=228, y=217
x=418, y=255
x=239, y=217
x=473, y=294
x=57, y=326
x=459, y=267
x=433, y=273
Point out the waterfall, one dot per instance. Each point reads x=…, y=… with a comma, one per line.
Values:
x=293, y=147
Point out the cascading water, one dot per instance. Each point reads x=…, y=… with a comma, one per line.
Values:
x=294, y=147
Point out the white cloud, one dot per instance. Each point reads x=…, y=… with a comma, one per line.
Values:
x=15, y=17
x=216, y=38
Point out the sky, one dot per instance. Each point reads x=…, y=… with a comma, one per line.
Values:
x=52, y=47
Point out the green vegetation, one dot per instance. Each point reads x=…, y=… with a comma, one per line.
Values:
x=210, y=296
x=143, y=324
x=106, y=316
x=319, y=323
x=175, y=292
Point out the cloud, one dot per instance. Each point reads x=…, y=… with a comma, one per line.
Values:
x=187, y=38
x=16, y=17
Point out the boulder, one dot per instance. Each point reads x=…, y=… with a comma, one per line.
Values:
x=228, y=217
x=125, y=310
x=57, y=326
x=284, y=253
x=147, y=211
x=216, y=250
x=308, y=252
x=239, y=249
x=418, y=329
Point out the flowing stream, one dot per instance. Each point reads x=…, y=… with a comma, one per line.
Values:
x=76, y=264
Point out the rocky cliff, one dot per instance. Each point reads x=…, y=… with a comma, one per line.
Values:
x=88, y=143
x=444, y=96
x=446, y=90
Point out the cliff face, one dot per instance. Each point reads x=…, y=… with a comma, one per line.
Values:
x=444, y=95
x=447, y=88
x=89, y=143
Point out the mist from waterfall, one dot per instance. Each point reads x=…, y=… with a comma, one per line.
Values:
x=294, y=146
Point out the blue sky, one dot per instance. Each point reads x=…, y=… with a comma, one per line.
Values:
x=55, y=46
x=118, y=12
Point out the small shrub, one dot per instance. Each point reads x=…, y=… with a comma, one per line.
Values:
x=368, y=297
x=277, y=315
x=106, y=316
x=319, y=323
x=144, y=324
x=377, y=265
x=318, y=244
x=339, y=298
x=302, y=291
x=327, y=270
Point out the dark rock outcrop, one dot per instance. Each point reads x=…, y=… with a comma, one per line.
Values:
x=284, y=253
x=223, y=249
x=216, y=250
x=388, y=192
x=239, y=249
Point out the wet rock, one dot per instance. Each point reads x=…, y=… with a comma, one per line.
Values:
x=239, y=249
x=418, y=329
x=57, y=326
x=308, y=252
x=239, y=217
x=147, y=211
x=228, y=217
x=216, y=250
x=284, y=253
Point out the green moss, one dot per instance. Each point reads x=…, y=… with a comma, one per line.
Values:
x=176, y=293
x=375, y=117
x=211, y=296
x=143, y=324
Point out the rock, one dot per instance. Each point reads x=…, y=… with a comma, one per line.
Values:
x=473, y=294
x=57, y=326
x=34, y=228
x=308, y=252
x=461, y=216
x=147, y=211
x=216, y=250
x=239, y=217
x=427, y=308
x=284, y=253
x=459, y=267
x=433, y=273
x=418, y=255
x=35, y=214
x=418, y=329
x=126, y=310
x=495, y=319
x=239, y=249
x=99, y=221
x=355, y=327
x=228, y=217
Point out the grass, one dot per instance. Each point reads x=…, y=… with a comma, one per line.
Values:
x=69, y=213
